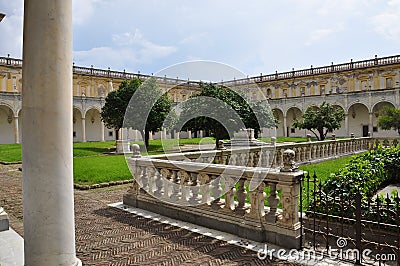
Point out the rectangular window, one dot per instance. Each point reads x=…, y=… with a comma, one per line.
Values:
x=322, y=89
x=110, y=133
x=375, y=129
x=74, y=134
x=292, y=130
x=388, y=83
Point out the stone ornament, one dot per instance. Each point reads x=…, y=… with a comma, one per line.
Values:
x=289, y=165
x=135, y=148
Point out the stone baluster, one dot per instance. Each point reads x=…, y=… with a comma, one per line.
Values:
x=314, y=152
x=158, y=183
x=194, y=197
x=241, y=195
x=229, y=183
x=273, y=201
x=290, y=197
x=257, y=197
x=250, y=157
x=175, y=193
x=334, y=148
x=216, y=192
x=257, y=158
x=140, y=175
x=166, y=174
x=185, y=182
x=151, y=179
x=205, y=188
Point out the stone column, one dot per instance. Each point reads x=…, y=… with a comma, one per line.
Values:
x=284, y=126
x=189, y=133
x=16, y=130
x=102, y=131
x=346, y=124
x=370, y=125
x=83, y=129
x=49, y=230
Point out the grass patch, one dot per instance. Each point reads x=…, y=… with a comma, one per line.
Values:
x=10, y=152
x=323, y=170
x=156, y=146
x=284, y=139
x=92, y=148
x=98, y=169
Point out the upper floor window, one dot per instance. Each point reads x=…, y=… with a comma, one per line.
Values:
x=322, y=89
x=269, y=93
x=389, y=83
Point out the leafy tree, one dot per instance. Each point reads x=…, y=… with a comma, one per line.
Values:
x=116, y=102
x=228, y=112
x=320, y=120
x=389, y=118
x=143, y=107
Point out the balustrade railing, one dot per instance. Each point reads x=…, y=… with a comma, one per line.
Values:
x=384, y=142
x=252, y=192
x=217, y=196
x=271, y=155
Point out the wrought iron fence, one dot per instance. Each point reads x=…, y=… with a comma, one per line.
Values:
x=350, y=227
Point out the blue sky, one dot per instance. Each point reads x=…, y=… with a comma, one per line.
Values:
x=256, y=36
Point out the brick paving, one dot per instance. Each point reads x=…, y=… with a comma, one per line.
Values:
x=109, y=236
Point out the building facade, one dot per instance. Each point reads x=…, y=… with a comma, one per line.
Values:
x=360, y=88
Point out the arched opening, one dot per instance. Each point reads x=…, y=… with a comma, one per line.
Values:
x=293, y=114
x=358, y=117
x=341, y=132
x=278, y=115
x=376, y=131
x=6, y=125
x=77, y=125
x=93, y=125
x=20, y=125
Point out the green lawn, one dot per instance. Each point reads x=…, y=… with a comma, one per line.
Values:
x=92, y=148
x=284, y=139
x=10, y=152
x=98, y=169
x=324, y=169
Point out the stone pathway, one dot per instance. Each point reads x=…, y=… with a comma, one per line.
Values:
x=109, y=236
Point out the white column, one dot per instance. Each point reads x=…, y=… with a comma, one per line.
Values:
x=135, y=135
x=150, y=135
x=83, y=129
x=284, y=126
x=102, y=131
x=164, y=133
x=48, y=202
x=189, y=134
x=370, y=125
x=16, y=130
x=346, y=124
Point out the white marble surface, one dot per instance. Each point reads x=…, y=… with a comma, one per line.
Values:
x=11, y=248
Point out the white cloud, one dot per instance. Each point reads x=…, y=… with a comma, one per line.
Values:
x=11, y=29
x=129, y=50
x=83, y=10
x=387, y=23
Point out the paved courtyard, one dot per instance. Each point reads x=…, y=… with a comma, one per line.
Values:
x=109, y=236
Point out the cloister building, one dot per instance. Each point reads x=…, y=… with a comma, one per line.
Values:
x=360, y=88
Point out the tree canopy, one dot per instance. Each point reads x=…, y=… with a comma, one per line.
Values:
x=320, y=119
x=137, y=105
x=221, y=111
x=389, y=118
